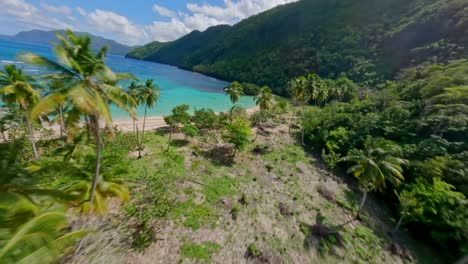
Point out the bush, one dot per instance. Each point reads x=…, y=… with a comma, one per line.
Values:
x=205, y=119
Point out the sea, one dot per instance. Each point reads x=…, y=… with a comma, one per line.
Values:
x=177, y=86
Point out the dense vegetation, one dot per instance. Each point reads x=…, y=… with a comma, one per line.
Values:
x=367, y=41
x=408, y=141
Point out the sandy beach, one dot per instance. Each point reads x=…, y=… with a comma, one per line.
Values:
x=126, y=124
x=152, y=122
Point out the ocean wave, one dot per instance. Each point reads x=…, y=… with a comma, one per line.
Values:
x=10, y=62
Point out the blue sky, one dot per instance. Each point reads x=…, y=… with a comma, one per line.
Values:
x=128, y=21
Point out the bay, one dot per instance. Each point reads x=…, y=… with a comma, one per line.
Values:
x=177, y=86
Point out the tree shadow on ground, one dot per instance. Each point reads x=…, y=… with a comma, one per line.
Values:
x=322, y=237
x=178, y=143
x=219, y=155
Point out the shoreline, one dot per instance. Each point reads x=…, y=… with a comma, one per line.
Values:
x=125, y=124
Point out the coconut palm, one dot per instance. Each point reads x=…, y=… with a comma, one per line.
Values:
x=264, y=99
x=375, y=165
x=132, y=90
x=89, y=87
x=42, y=239
x=54, y=85
x=235, y=91
x=147, y=95
x=297, y=89
x=18, y=88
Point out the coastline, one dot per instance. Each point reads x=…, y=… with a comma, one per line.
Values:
x=125, y=124
x=153, y=122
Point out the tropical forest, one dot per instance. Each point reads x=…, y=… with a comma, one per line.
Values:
x=342, y=138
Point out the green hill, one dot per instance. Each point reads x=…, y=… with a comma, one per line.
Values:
x=367, y=40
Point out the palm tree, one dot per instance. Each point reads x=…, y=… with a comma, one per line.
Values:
x=264, y=99
x=235, y=91
x=323, y=91
x=89, y=87
x=148, y=95
x=375, y=165
x=55, y=85
x=42, y=239
x=132, y=90
x=297, y=88
x=19, y=89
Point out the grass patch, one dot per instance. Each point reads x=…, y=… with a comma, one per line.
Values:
x=290, y=153
x=365, y=245
x=218, y=187
x=195, y=215
x=199, y=252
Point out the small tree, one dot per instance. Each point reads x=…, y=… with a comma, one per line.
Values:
x=189, y=130
x=179, y=116
x=205, y=119
x=237, y=133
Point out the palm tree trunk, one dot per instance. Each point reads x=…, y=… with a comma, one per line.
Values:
x=144, y=124
x=31, y=136
x=98, y=160
x=398, y=225
x=361, y=205
x=88, y=128
x=138, y=143
x=302, y=131
x=62, y=125
x=169, y=143
x=292, y=117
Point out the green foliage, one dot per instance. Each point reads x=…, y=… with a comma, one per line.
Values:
x=438, y=205
x=179, y=115
x=237, y=133
x=205, y=119
x=199, y=252
x=331, y=158
x=234, y=91
x=423, y=114
x=190, y=130
x=253, y=250
x=42, y=239
x=376, y=164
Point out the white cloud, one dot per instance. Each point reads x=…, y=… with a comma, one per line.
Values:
x=163, y=11
x=175, y=24
x=63, y=10
x=28, y=16
x=203, y=16
x=110, y=23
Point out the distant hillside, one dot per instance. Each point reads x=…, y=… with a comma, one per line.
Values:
x=48, y=37
x=367, y=40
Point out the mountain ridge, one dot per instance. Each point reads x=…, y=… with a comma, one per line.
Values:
x=48, y=37
x=368, y=41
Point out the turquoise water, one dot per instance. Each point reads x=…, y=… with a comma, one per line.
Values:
x=176, y=86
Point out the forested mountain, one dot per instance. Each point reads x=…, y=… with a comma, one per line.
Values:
x=48, y=37
x=368, y=40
